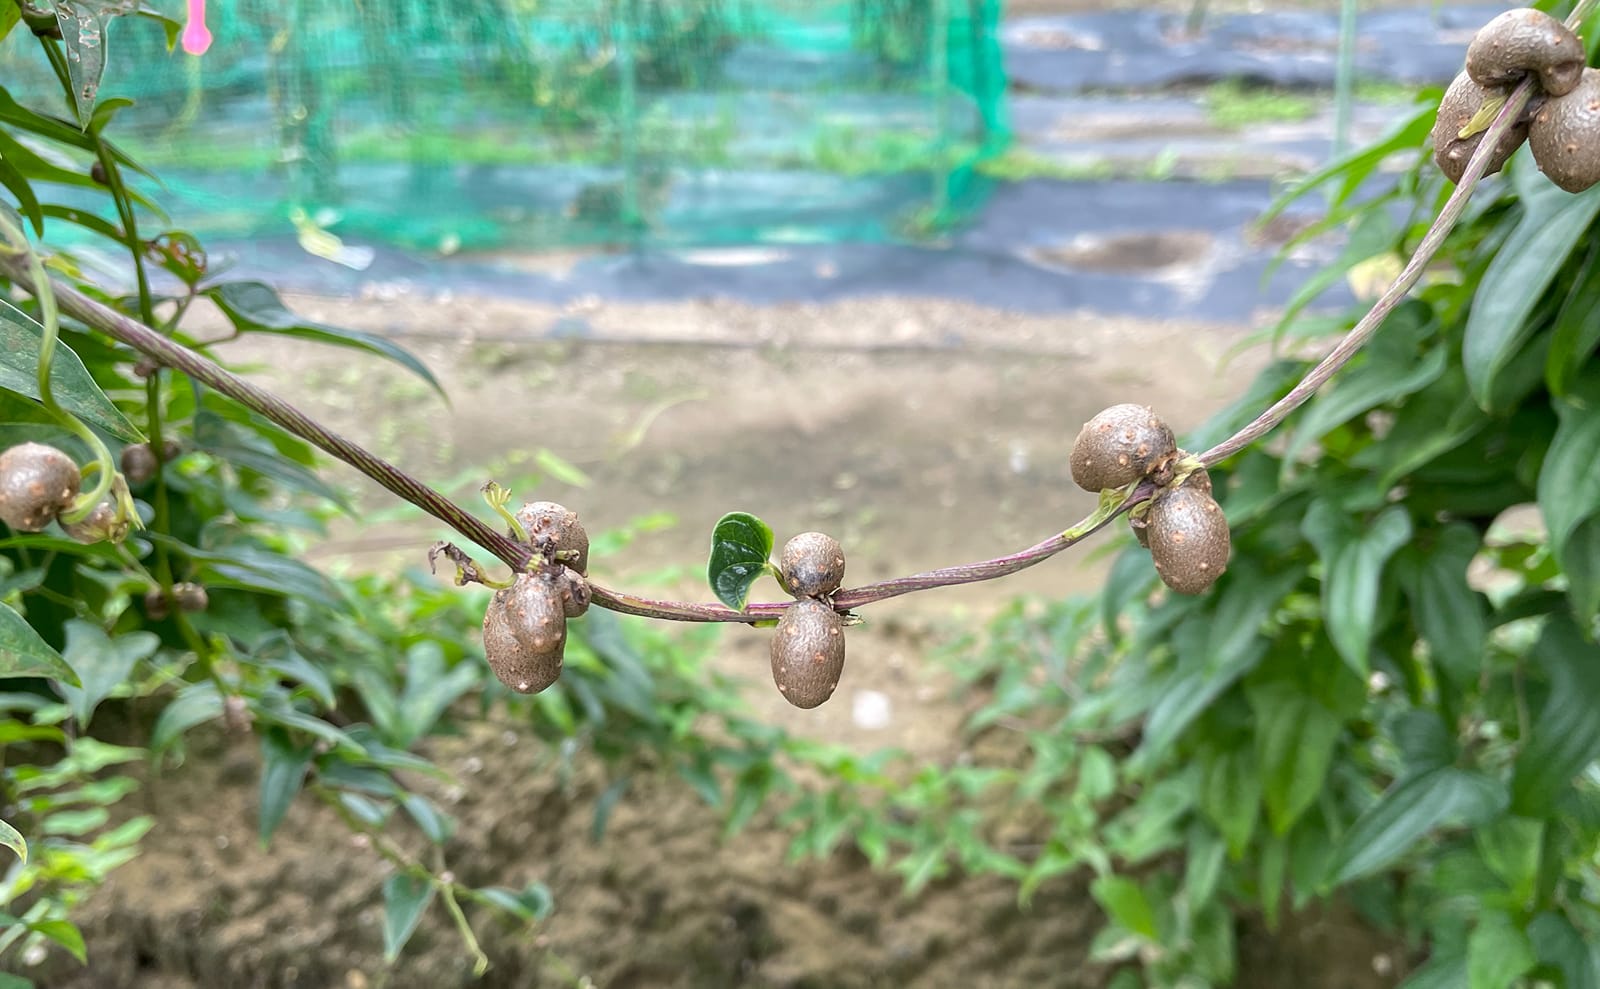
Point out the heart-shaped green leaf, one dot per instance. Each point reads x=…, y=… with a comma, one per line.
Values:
x=740, y=547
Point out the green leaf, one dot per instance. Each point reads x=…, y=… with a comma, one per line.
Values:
x=741, y=545
x=1583, y=569
x=1274, y=873
x=437, y=825
x=64, y=933
x=1408, y=811
x=10, y=14
x=532, y=904
x=1376, y=382
x=559, y=469
x=283, y=772
x=1498, y=952
x=1204, y=857
x=1510, y=848
x=103, y=663
x=1566, y=735
x=1576, y=332
x=85, y=25
x=11, y=838
x=1553, y=222
x=1450, y=615
x=1569, y=484
x=1295, y=739
x=255, y=307
x=1441, y=972
x=429, y=690
x=195, y=704
x=405, y=899
x=1353, y=565
x=7, y=980
x=1558, y=944
x=24, y=654
x=1230, y=795
x=1125, y=903
x=59, y=131
x=70, y=383
x=12, y=178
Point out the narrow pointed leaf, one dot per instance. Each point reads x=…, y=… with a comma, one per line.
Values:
x=24, y=654
x=11, y=838
x=1553, y=222
x=1408, y=812
x=70, y=382
x=405, y=899
x=255, y=307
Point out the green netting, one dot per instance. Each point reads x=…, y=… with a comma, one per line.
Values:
x=524, y=123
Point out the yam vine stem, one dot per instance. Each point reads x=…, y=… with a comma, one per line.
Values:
x=169, y=353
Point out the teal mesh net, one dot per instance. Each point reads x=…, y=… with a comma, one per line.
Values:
x=513, y=124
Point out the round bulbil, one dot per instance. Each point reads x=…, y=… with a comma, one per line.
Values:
x=812, y=564
x=1189, y=540
x=1525, y=40
x=525, y=632
x=1119, y=446
x=546, y=520
x=139, y=464
x=1565, y=136
x=37, y=483
x=808, y=653
x=102, y=524
x=191, y=596
x=1451, y=151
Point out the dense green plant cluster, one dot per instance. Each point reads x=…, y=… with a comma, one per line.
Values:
x=1393, y=694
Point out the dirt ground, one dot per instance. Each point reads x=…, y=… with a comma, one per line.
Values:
x=867, y=419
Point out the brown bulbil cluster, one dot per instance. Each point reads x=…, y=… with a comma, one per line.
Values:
x=37, y=483
x=1182, y=527
x=525, y=626
x=808, y=649
x=1561, y=122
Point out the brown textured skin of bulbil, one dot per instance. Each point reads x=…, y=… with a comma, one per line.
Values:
x=191, y=597
x=1452, y=152
x=574, y=593
x=808, y=653
x=546, y=519
x=1119, y=446
x=1525, y=40
x=1565, y=136
x=812, y=564
x=37, y=483
x=525, y=633
x=1189, y=539
x=99, y=525
x=138, y=463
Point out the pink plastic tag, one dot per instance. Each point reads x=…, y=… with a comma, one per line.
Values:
x=196, y=38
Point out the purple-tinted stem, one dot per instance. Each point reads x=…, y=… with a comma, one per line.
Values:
x=174, y=355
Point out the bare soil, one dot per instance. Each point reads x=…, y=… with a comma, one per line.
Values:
x=920, y=432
